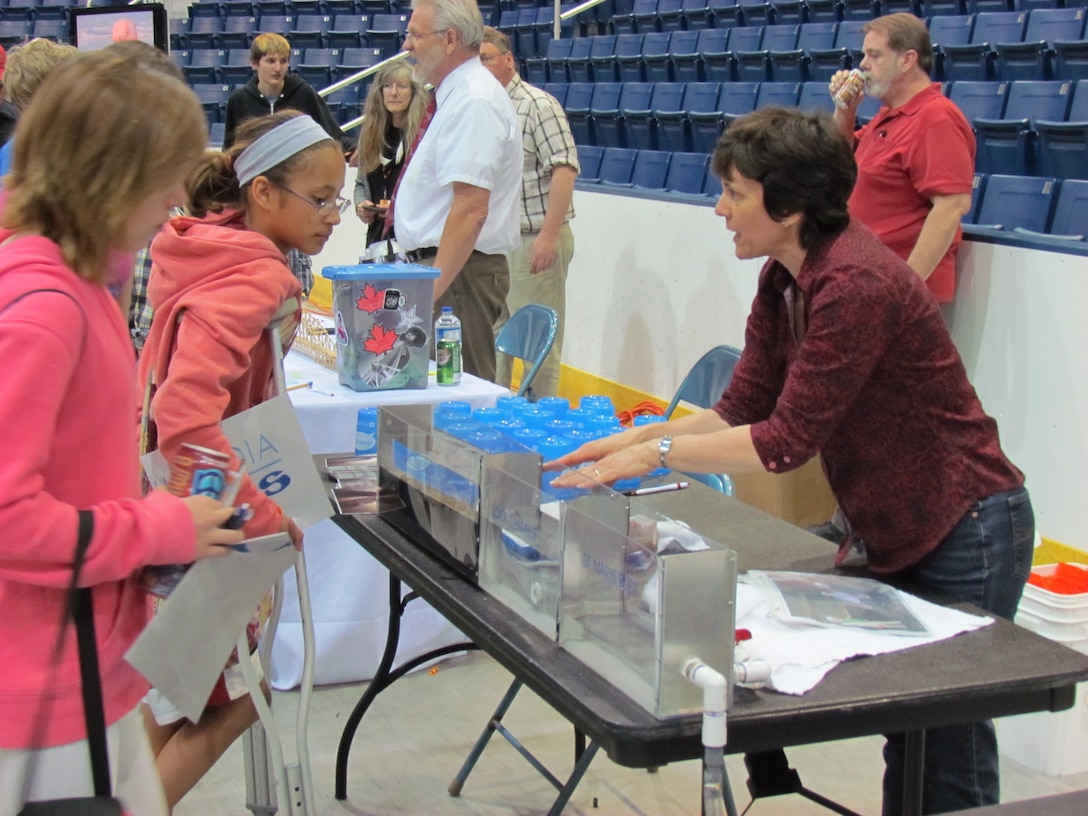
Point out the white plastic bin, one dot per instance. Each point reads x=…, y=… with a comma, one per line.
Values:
x=1055, y=744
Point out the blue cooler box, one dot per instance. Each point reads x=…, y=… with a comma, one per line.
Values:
x=383, y=324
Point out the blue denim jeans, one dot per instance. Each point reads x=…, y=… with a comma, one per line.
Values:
x=985, y=561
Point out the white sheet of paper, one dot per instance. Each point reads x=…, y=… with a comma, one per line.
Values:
x=183, y=650
x=269, y=440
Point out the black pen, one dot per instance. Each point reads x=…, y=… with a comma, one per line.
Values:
x=663, y=488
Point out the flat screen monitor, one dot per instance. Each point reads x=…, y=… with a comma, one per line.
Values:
x=94, y=28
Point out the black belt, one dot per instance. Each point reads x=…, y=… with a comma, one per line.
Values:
x=422, y=253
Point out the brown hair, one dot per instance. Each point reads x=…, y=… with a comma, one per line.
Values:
x=802, y=160
x=213, y=185
x=905, y=32
x=105, y=132
x=498, y=39
x=28, y=66
x=376, y=118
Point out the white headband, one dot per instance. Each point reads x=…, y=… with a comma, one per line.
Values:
x=276, y=146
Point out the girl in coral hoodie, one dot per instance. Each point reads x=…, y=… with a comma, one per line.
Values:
x=219, y=278
x=101, y=159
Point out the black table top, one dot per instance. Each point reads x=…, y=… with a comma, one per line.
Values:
x=995, y=671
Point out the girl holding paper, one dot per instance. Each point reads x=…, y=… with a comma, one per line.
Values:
x=219, y=280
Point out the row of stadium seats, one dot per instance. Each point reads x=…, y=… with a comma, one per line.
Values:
x=320, y=67
x=384, y=31
x=648, y=170
x=1029, y=206
x=1046, y=44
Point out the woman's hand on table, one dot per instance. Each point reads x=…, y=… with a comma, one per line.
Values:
x=618, y=456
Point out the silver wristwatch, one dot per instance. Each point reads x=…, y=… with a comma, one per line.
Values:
x=663, y=448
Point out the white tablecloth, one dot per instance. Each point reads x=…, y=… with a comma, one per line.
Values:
x=349, y=590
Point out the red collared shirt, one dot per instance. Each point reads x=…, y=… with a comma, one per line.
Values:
x=906, y=156
x=877, y=387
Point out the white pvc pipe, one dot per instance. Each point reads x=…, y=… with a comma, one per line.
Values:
x=715, y=694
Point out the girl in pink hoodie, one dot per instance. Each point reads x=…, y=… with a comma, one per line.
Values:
x=219, y=278
x=101, y=158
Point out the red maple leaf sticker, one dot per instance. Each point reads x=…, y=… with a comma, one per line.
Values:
x=380, y=340
x=371, y=300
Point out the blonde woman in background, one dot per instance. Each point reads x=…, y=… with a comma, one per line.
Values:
x=393, y=110
x=27, y=67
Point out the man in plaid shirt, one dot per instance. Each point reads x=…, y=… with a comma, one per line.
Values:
x=538, y=267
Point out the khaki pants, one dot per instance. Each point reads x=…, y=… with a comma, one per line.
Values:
x=477, y=296
x=548, y=288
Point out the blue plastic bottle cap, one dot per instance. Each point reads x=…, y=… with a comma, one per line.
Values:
x=621, y=485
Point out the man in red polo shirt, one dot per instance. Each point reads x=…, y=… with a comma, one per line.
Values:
x=916, y=158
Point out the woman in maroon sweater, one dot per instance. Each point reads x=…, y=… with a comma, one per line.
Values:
x=846, y=355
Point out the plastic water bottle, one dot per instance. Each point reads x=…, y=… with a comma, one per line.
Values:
x=447, y=348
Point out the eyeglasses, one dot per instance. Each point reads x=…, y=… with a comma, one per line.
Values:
x=400, y=86
x=324, y=208
x=409, y=35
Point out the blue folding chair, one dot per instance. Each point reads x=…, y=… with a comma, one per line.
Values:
x=687, y=173
x=814, y=97
x=529, y=335
x=684, y=62
x=579, y=100
x=1034, y=57
x=602, y=56
x=1070, y=222
x=608, y=126
x=980, y=100
x=754, y=12
x=948, y=30
x=589, y=157
x=629, y=58
x=237, y=32
x=617, y=163
x=1071, y=60
x=577, y=63
x=640, y=126
x=725, y=13
x=976, y=60
x=670, y=15
x=824, y=62
x=737, y=99
x=703, y=386
x=555, y=56
x=309, y=31
x=650, y=170
x=656, y=59
x=204, y=64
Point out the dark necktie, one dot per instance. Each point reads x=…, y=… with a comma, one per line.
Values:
x=428, y=113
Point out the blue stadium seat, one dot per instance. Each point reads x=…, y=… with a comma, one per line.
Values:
x=578, y=69
x=815, y=97
x=177, y=26
x=712, y=187
x=50, y=29
x=695, y=15
x=608, y=121
x=1017, y=201
x=309, y=31
x=645, y=17
x=737, y=99
x=670, y=15
x=628, y=58
x=524, y=34
x=52, y=10
x=1007, y=146
x=1071, y=60
x=932, y=8
x=1063, y=146
x=976, y=60
x=625, y=23
x=316, y=66
x=687, y=173
x=237, y=8
x=237, y=32
x=724, y=14
x=1070, y=221
x=778, y=93
x=704, y=120
x=948, y=30
x=275, y=23
x=824, y=62
x=602, y=56
x=555, y=57
x=348, y=31
x=203, y=32
x=650, y=170
x=203, y=66
x=354, y=60
x=860, y=9
x=755, y=12
x=979, y=6
x=793, y=12
x=213, y=98
x=345, y=103
x=1033, y=58
x=683, y=56
x=824, y=11
x=755, y=66
x=606, y=97
x=715, y=61
x=617, y=163
x=558, y=90
x=978, y=186
x=387, y=32
x=265, y=7
x=578, y=102
x=640, y=126
x=196, y=8
x=544, y=28
x=792, y=64
x=656, y=57
x=335, y=7
x=980, y=100
x=589, y=157
x=216, y=132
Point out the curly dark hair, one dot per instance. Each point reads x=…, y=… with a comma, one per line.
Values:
x=803, y=161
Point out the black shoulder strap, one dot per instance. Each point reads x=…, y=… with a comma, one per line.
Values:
x=83, y=613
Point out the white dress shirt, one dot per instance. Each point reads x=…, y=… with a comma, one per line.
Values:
x=474, y=138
